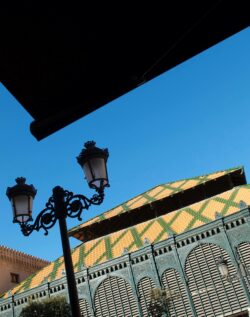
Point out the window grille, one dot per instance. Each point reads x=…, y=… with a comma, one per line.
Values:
x=213, y=295
x=84, y=308
x=114, y=298
x=244, y=254
x=145, y=286
x=178, y=304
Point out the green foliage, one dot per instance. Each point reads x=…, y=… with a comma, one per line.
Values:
x=51, y=307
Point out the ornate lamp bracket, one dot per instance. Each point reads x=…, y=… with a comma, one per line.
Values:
x=73, y=208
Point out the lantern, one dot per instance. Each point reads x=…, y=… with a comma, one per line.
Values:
x=93, y=162
x=21, y=196
x=222, y=266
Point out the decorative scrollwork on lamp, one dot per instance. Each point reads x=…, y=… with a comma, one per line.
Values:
x=60, y=205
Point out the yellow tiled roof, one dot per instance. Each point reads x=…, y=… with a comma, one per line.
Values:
x=111, y=246
x=156, y=193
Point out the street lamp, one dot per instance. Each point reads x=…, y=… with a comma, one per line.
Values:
x=222, y=265
x=223, y=268
x=60, y=205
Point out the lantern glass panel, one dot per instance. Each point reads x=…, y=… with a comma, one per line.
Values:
x=22, y=207
x=95, y=172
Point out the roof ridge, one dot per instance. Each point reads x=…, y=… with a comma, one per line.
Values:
x=153, y=219
x=204, y=175
x=160, y=216
x=162, y=184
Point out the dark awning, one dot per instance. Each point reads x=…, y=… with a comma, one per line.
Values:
x=62, y=63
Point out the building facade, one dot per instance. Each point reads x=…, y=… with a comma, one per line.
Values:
x=187, y=253
x=16, y=266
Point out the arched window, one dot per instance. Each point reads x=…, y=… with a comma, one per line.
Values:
x=114, y=298
x=145, y=286
x=177, y=302
x=213, y=295
x=84, y=308
x=244, y=254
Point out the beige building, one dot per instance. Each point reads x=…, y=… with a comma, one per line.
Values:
x=15, y=266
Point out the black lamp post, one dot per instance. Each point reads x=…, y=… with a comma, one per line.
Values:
x=62, y=204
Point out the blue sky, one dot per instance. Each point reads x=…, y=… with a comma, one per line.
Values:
x=190, y=121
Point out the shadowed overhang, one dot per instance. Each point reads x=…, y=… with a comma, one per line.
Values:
x=62, y=63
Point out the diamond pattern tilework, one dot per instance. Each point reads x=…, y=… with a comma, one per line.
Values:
x=212, y=205
x=94, y=251
x=102, y=249
x=197, y=223
x=50, y=272
x=178, y=184
x=166, y=192
x=80, y=263
x=152, y=232
x=58, y=264
x=170, y=217
x=190, y=183
x=114, y=212
x=75, y=254
x=242, y=195
x=59, y=270
x=120, y=240
x=231, y=210
x=156, y=193
x=182, y=221
x=140, y=202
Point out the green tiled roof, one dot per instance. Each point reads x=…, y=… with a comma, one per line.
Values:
x=154, y=194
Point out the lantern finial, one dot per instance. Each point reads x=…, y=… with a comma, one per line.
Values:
x=89, y=144
x=20, y=180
